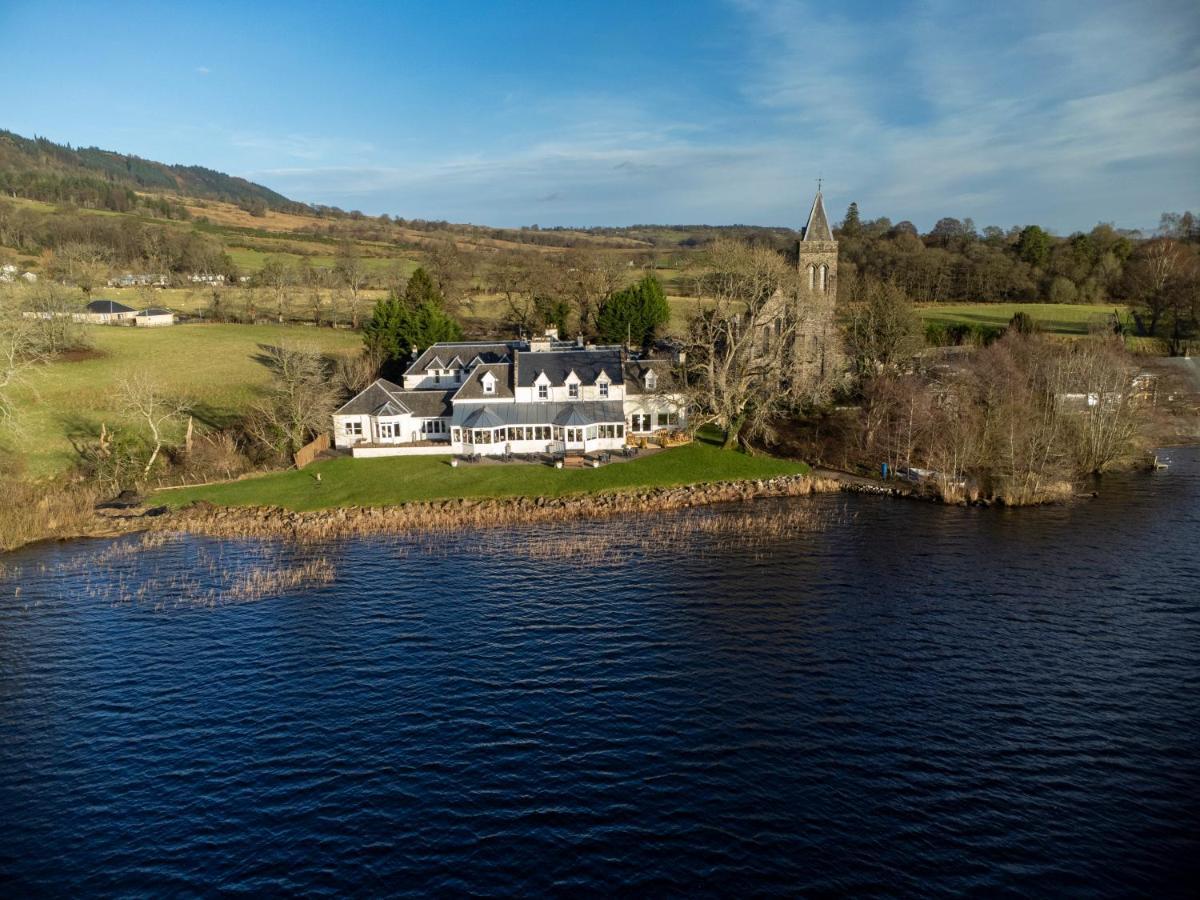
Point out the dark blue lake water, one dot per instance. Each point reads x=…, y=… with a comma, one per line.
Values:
x=874, y=697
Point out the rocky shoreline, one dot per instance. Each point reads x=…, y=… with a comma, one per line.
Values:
x=454, y=515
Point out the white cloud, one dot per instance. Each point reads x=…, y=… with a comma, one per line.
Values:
x=1012, y=114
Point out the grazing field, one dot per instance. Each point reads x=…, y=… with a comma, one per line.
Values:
x=388, y=481
x=1052, y=318
x=220, y=367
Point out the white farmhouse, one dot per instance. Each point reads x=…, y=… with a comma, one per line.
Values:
x=153, y=317
x=106, y=312
x=540, y=396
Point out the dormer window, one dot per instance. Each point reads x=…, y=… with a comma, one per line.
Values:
x=602, y=389
x=573, y=391
x=489, y=383
x=651, y=380
x=543, y=392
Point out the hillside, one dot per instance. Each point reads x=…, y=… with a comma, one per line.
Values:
x=39, y=169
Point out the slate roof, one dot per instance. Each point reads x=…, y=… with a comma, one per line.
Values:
x=382, y=397
x=538, y=414
x=427, y=404
x=818, y=228
x=587, y=364
x=487, y=351
x=472, y=388
x=635, y=376
x=108, y=306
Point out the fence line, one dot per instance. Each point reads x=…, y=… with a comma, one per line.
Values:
x=311, y=450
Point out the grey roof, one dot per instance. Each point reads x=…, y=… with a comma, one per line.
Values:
x=155, y=311
x=487, y=351
x=472, y=388
x=483, y=417
x=108, y=306
x=383, y=398
x=818, y=228
x=427, y=404
x=587, y=364
x=375, y=395
x=635, y=376
x=537, y=414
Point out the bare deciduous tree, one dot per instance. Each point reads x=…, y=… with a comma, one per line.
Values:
x=299, y=403
x=739, y=345
x=146, y=400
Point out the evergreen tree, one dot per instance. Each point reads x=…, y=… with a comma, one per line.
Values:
x=634, y=314
x=421, y=289
x=851, y=226
x=396, y=328
x=1033, y=245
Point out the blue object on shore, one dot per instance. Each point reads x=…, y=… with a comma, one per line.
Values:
x=885, y=471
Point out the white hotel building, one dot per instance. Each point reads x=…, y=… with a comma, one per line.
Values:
x=539, y=396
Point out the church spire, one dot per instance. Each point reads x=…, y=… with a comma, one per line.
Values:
x=818, y=228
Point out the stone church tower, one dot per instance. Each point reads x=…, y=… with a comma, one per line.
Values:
x=818, y=253
x=815, y=353
x=818, y=351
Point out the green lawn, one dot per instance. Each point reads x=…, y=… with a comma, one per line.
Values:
x=1053, y=318
x=218, y=366
x=383, y=482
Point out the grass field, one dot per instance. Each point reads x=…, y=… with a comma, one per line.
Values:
x=216, y=365
x=1052, y=318
x=383, y=482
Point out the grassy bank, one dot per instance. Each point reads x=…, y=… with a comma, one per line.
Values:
x=384, y=482
x=220, y=367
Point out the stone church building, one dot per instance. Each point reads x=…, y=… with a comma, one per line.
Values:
x=816, y=349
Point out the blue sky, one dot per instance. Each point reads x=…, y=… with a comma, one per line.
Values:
x=558, y=113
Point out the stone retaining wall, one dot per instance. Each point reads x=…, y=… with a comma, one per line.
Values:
x=455, y=515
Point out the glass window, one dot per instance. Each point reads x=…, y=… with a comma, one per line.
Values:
x=620, y=431
x=489, y=386
x=591, y=432
x=603, y=386
x=353, y=428
x=543, y=392
x=573, y=391
x=651, y=380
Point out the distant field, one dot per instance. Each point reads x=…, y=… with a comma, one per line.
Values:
x=215, y=364
x=1053, y=318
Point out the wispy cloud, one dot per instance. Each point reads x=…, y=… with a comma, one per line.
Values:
x=1020, y=113
x=202, y=70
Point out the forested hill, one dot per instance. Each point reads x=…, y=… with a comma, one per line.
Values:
x=38, y=169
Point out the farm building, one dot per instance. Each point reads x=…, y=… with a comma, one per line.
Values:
x=153, y=317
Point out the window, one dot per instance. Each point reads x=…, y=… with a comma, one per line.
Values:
x=433, y=426
x=354, y=428
x=388, y=430
x=489, y=383
x=573, y=391
x=812, y=277
x=437, y=376
x=651, y=380
x=591, y=432
x=456, y=435
x=667, y=419
x=642, y=422
x=824, y=272
x=603, y=389
x=543, y=392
